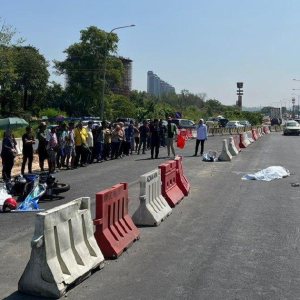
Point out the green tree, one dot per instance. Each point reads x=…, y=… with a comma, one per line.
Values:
x=32, y=76
x=83, y=69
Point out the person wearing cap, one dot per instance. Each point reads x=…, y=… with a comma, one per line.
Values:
x=42, y=151
x=171, y=131
x=28, y=142
x=201, y=136
x=155, y=138
x=8, y=155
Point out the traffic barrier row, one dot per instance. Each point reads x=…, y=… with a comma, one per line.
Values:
x=65, y=248
x=187, y=133
x=230, y=131
x=246, y=138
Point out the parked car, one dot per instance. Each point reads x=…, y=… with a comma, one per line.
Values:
x=245, y=123
x=85, y=123
x=297, y=120
x=126, y=121
x=210, y=123
x=291, y=128
x=234, y=124
x=223, y=122
x=183, y=123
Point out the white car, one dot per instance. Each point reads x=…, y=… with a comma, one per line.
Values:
x=234, y=124
x=245, y=123
x=291, y=128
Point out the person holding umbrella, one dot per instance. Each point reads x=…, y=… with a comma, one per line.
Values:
x=8, y=155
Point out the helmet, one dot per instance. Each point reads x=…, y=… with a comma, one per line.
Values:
x=10, y=203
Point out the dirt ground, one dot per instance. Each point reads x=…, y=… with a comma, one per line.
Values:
x=18, y=162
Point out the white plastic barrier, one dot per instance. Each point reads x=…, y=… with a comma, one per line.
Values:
x=249, y=135
x=231, y=148
x=153, y=207
x=19, y=145
x=64, y=250
x=225, y=155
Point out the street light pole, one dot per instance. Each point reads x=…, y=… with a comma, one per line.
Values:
x=104, y=71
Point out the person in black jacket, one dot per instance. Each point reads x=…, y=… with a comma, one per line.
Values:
x=8, y=155
x=155, y=133
x=28, y=142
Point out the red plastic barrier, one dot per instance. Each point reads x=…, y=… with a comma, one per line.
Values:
x=236, y=143
x=189, y=133
x=181, y=180
x=254, y=136
x=243, y=144
x=266, y=131
x=183, y=134
x=115, y=230
x=169, y=187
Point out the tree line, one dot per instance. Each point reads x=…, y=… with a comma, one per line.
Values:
x=25, y=88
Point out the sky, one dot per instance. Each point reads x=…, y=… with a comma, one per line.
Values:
x=204, y=46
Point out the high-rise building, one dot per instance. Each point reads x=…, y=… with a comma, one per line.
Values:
x=156, y=86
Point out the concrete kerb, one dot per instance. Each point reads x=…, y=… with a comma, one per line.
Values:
x=225, y=154
x=64, y=250
x=153, y=207
x=231, y=148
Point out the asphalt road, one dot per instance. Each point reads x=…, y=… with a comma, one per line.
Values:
x=229, y=239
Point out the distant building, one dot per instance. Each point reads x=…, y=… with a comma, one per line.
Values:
x=156, y=86
x=126, y=86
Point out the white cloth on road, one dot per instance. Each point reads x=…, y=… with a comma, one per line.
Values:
x=271, y=173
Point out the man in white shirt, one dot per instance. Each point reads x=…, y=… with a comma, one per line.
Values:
x=201, y=136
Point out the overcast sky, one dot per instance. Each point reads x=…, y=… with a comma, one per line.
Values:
x=199, y=45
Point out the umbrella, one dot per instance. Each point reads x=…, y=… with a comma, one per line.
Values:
x=12, y=123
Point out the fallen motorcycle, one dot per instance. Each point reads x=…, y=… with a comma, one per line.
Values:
x=48, y=186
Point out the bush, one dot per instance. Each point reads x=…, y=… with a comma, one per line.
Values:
x=51, y=113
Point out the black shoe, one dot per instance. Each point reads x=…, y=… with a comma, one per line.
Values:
x=195, y=155
x=151, y=157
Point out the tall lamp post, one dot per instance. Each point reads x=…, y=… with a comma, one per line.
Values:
x=105, y=59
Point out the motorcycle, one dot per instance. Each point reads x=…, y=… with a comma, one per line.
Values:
x=48, y=186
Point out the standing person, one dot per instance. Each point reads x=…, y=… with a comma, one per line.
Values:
x=52, y=146
x=201, y=136
x=81, y=136
x=123, y=142
x=42, y=151
x=116, y=140
x=58, y=136
x=99, y=143
x=171, y=131
x=62, y=146
x=8, y=154
x=155, y=138
x=163, y=132
x=129, y=137
x=136, y=136
x=90, y=141
x=70, y=146
x=28, y=142
x=107, y=141
x=144, y=132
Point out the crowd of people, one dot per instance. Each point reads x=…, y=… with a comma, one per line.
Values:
x=69, y=146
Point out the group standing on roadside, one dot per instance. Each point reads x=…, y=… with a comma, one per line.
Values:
x=70, y=147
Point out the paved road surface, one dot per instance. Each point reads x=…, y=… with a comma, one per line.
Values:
x=229, y=239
